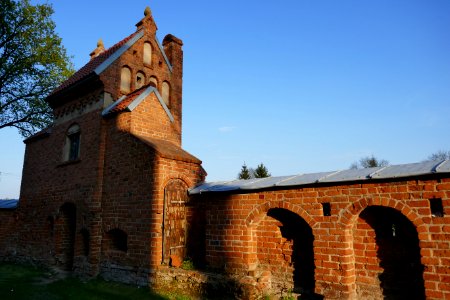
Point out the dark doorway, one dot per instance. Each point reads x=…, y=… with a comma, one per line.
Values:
x=398, y=253
x=292, y=247
x=67, y=227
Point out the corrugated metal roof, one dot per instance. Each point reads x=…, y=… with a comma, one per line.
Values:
x=395, y=171
x=9, y=204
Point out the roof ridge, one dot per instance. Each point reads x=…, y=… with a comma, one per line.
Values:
x=436, y=167
x=329, y=175
x=377, y=171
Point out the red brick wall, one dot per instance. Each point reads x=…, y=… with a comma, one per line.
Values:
x=133, y=190
x=133, y=58
x=116, y=189
x=48, y=182
x=127, y=197
x=351, y=255
x=149, y=119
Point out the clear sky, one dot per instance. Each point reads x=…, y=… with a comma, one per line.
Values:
x=300, y=85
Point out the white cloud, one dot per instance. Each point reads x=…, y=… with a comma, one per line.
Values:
x=226, y=128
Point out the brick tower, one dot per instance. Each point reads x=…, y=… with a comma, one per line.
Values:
x=100, y=186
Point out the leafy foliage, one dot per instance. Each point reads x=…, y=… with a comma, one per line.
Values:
x=187, y=264
x=369, y=162
x=33, y=62
x=439, y=155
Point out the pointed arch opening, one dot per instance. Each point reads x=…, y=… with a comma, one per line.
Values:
x=387, y=255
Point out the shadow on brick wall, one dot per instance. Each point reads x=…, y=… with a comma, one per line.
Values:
x=398, y=253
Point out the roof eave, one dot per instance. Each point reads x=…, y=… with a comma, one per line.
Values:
x=54, y=100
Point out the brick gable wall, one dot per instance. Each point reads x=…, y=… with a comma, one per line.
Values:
x=149, y=119
x=133, y=58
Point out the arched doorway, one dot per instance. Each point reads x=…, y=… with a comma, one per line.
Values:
x=66, y=235
x=387, y=256
x=285, y=251
x=174, y=220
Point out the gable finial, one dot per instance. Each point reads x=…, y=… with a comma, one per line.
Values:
x=99, y=50
x=147, y=11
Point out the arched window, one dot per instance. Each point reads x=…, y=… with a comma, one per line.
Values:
x=165, y=93
x=147, y=53
x=153, y=81
x=125, y=80
x=118, y=240
x=72, y=143
x=140, y=79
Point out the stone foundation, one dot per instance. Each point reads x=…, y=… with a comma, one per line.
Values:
x=126, y=274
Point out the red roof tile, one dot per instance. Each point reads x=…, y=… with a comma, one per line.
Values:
x=92, y=65
x=127, y=101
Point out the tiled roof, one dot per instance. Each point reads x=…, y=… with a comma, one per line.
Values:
x=93, y=64
x=41, y=134
x=168, y=150
x=127, y=100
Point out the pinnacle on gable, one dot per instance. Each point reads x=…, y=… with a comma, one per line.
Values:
x=147, y=11
x=147, y=22
x=99, y=50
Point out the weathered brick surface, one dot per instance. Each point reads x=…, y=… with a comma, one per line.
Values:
x=102, y=213
x=353, y=254
x=108, y=212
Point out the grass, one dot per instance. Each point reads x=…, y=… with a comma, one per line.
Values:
x=25, y=282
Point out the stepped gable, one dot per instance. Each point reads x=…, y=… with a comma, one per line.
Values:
x=90, y=67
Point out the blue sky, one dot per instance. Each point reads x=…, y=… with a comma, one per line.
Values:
x=302, y=86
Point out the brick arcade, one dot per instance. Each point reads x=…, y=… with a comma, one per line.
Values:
x=108, y=190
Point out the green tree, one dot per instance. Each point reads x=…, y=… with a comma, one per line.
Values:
x=369, y=162
x=33, y=62
x=261, y=171
x=439, y=155
x=245, y=173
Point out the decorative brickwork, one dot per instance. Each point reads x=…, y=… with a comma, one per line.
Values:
x=119, y=206
x=99, y=208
